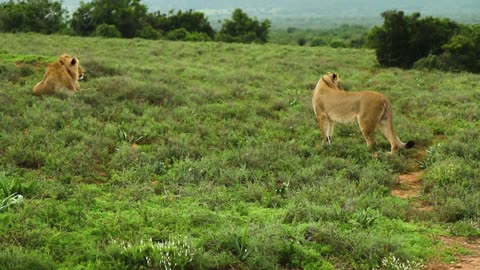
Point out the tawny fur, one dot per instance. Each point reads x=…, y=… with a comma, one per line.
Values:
x=61, y=76
x=332, y=104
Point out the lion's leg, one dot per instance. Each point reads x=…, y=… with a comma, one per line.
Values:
x=386, y=126
x=323, y=123
x=368, y=130
x=37, y=90
x=331, y=125
x=43, y=87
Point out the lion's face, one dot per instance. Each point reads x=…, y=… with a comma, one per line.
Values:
x=81, y=72
x=73, y=66
x=333, y=80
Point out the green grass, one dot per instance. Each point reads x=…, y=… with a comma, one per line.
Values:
x=216, y=144
x=25, y=58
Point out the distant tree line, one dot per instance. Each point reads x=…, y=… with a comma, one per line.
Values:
x=342, y=36
x=126, y=19
x=410, y=41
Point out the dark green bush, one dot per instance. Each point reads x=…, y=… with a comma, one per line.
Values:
x=241, y=28
x=44, y=16
x=402, y=39
x=21, y=259
x=178, y=34
x=318, y=41
x=8, y=72
x=148, y=32
x=197, y=36
x=107, y=30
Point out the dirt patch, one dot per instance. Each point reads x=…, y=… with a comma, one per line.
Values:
x=408, y=185
x=466, y=262
x=466, y=250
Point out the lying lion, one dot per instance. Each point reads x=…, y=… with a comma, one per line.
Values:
x=371, y=109
x=61, y=76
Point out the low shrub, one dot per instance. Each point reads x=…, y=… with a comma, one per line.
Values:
x=24, y=259
x=170, y=254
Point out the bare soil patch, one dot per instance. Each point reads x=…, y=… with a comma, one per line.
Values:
x=465, y=262
x=409, y=185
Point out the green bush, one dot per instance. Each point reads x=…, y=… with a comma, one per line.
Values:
x=107, y=30
x=241, y=28
x=126, y=18
x=45, y=16
x=22, y=259
x=402, y=39
x=196, y=36
x=318, y=41
x=178, y=34
x=440, y=62
x=148, y=32
x=8, y=72
x=302, y=41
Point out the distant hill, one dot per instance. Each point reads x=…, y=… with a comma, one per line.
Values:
x=305, y=11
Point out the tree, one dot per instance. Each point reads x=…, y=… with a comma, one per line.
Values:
x=177, y=34
x=128, y=16
x=429, y=34
x=191, y=21
x=42, y=16
x=460, y=53
x=391, y=40
x=243, y=29
x=148, y=32
x=402, y=40
x=463, y=50
x=107, y=30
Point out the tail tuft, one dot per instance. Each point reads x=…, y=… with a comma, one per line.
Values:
x=409, y=144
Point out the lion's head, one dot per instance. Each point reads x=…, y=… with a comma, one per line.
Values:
x=75, y=70
x=332, y=80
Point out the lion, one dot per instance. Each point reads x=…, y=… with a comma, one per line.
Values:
x=61, y=76
x=332, y=104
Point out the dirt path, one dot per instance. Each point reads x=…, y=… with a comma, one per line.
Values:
x=408, y=186
x=464, y=262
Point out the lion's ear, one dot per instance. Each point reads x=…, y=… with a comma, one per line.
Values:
x=334, y=76
x=74, y=61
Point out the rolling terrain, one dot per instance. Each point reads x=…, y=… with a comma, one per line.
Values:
x=181, y=155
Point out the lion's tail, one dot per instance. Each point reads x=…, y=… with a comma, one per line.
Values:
x=407, y=145
x=387, y=128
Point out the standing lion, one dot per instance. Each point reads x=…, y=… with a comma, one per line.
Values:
x=61, y=76
x=371, y=109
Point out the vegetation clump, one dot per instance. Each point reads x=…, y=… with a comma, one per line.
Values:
x=408, y=40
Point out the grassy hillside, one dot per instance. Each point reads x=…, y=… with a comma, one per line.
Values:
x=207, y=156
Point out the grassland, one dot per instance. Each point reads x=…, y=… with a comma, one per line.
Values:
x=178, y=155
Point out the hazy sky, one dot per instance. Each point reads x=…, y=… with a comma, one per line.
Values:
x=326, y=10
